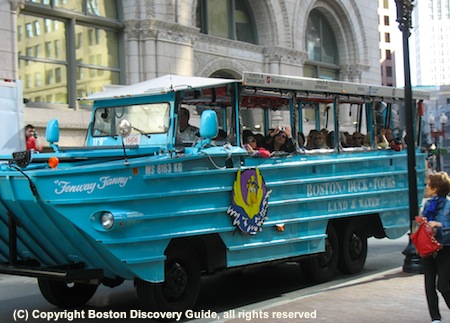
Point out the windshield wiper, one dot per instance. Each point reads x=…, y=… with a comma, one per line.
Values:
x=105, y=134
x=141, y=132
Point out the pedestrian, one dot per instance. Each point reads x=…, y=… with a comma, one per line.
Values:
x=31, y=139
x=437, y=213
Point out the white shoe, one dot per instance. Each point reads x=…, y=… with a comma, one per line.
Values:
x=436, y=321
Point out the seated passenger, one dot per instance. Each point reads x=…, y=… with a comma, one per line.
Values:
x=357, y=139
x=187, y=132
x=253, y=148
x=280, y=139
x=221, y=137
x=396, y=144
x=348, y=142
x=300, y=140
x=385, y=139
x=341, y=140
x=316, y=140
x=329, y=137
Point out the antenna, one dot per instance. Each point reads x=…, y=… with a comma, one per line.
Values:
x=171, y=83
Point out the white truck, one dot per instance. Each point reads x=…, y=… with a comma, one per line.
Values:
x=12, y=137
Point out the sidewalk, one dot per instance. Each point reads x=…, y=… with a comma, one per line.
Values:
x=391, y=296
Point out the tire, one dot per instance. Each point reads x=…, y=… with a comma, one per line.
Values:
x=66, y=295
x=180, y=290
x=323, y=267
x=353, y=247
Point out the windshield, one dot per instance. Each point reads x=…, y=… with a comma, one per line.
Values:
x=144, y=118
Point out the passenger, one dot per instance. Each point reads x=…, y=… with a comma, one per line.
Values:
x=247, y=133
x=280, y=139
x=259, y=138
x=316, y=140
x=396, y=144
x=357, y=139
x=330, y=139
x=386, y=139
x=221, y=137
x=252, y=146
x=347, y=140
x=187, y=132
x=31, y=139
x=344, y=139
x=309, y=139
x=388, y=134
x=300, y=140
x=382, y=140
x=367, y=140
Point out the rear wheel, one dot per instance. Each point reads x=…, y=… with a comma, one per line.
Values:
x=66, y=295
x=353, y=247
x=323, y=267
x=181, y=287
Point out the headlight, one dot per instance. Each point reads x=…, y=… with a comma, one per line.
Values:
x=107, y=220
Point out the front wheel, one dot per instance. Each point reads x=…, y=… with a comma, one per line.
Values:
x=181, y=287
x=353, y=248
x=66, y=295
x=323, y=267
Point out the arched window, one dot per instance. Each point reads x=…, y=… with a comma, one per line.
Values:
x=226, y=18
x=321, y=46
x=68, y=49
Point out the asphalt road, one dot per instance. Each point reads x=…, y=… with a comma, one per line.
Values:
x=243, y=290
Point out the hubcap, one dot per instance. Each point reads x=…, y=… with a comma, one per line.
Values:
x=176, y=282
x=324, y=258
x=355, y=246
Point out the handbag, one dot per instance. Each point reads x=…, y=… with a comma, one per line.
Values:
x=423, y=238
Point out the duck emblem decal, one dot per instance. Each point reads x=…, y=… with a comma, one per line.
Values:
x=249, y=201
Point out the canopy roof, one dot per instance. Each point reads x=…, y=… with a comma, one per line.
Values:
x=166, y=83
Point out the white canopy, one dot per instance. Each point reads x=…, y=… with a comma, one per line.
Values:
x=161, y=84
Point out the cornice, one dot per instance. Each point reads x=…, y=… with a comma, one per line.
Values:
x=16, y=5
x=156, y=29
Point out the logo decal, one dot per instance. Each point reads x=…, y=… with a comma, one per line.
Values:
x=102, y=183
x=249, y=201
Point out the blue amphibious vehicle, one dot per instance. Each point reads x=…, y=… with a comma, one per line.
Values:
x=139, y=203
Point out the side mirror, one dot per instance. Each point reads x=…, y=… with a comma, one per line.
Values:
x=209, y=124
x=52, y=133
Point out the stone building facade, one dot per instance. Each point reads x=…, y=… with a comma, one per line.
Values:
x=318, y=38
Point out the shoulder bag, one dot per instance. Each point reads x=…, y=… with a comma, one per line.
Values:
x=423, y=238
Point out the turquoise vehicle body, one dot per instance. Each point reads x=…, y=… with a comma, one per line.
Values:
x=126, y=205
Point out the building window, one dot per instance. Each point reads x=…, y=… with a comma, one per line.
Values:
x=388, y=54
x=322, y=50
x=388, y=71
x=387, y=37
x=60, y=36
x=231, y=19
x=386, y=20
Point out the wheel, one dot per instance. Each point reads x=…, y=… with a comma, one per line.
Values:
x=64, y=294
x=353, y=248
x=322, y=268
x=180, y=290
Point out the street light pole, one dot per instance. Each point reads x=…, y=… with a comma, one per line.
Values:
x=412, y=263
